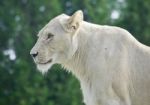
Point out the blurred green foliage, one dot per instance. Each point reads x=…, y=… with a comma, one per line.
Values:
x=20, y=21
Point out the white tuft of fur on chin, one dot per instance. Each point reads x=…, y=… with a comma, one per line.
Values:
x=43, y=68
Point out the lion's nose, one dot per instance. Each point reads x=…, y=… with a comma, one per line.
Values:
x=34, y=54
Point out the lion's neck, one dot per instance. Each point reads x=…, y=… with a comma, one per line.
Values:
x=78, y=63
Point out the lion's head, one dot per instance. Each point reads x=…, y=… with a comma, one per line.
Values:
x=57, y=41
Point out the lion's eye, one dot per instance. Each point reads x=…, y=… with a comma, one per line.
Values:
x=49, y=36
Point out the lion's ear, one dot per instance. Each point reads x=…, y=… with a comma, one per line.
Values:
x=75, y=20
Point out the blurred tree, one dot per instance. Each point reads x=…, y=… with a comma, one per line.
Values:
x=20, y=21
x=20, y=83
x=136, y=19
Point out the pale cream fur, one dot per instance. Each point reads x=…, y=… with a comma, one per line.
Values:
x=112, y=66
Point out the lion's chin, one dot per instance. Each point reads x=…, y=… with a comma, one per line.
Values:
x=43, y=68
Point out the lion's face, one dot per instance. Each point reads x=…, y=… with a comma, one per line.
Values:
x=56, y=41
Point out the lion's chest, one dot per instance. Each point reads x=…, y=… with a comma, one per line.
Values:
x=89, y=95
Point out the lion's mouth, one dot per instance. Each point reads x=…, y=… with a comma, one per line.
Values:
x=49, y=61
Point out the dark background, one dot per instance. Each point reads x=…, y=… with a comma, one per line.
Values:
x=20, y=21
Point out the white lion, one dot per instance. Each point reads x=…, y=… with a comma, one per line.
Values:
x=112, y=66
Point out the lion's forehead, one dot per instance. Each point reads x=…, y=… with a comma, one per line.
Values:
x=53, y=25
